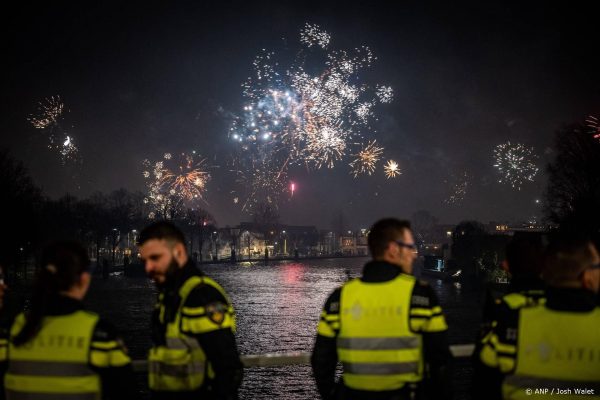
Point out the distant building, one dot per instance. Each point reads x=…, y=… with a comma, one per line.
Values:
x=506, y=228
x=354, y=243
x=280, y=240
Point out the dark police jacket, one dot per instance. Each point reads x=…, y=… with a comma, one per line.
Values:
x=219, y=345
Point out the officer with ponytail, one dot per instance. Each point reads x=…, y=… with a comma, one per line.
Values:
x=57, y=349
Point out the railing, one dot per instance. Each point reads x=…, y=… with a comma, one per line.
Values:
x=298, y=358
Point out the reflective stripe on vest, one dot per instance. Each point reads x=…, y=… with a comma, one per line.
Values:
x=381, y=368
x=182, y=343
x=49, y=368
x=54, y=364
x=379, y=343
x=375, y=345
x=556, y=349
x=181, y=364
x=13, y=395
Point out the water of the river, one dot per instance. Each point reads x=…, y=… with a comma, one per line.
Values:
x=277, y=308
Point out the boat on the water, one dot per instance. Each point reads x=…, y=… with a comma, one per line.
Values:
x=437, y=267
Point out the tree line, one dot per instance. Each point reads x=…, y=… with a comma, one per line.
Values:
x=572, y=201
x=101, y=220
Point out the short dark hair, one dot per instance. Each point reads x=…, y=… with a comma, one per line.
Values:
x=162, y=230
x=525, y=254
x=566, y=258
x=383, y=232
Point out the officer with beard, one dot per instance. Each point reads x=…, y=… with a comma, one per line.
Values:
x=193, y=324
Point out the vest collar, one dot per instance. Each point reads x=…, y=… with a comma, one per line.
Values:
x=570, y=299
x=380, y=271
x=181, y=275
x=62, y=305
x=525, y=284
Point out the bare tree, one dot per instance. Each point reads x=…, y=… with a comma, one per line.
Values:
x=423, y=224
x=573, y=193
x=197, y=223
x=20, y=202
x=265, y=220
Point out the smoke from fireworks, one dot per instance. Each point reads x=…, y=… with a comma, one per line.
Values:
x=263, y=182
x=391, y=169
x=515, y=163
x=311, y=113
x=175, y=182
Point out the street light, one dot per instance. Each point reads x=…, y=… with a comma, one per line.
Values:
x=116, y=237
x=234, y=251
x=284, y=243
x=247, y=233
x=214, y=237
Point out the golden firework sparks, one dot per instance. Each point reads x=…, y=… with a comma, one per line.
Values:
x=391, y=169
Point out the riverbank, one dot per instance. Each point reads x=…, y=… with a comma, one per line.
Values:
x=137, y=269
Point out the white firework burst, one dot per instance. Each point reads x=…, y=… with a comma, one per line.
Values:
x=516, y=164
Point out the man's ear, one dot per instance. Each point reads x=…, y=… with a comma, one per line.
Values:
x=179, y=252
x=587, y=279
x=84, y=279
x=390, y=248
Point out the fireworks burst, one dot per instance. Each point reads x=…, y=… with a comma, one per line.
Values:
x=458, y=185
x=391, y=169
x=69, y=150
x=366, y=159
x=263, y=181
x=48, y=113
x=312, y=115
x=325, y=146
x=385, y=94
x=47, y=118
x=313, y=35
x=174, y=186
x=594, y=124
x=515, y=163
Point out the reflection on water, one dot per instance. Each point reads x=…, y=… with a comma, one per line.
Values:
x=278, y=307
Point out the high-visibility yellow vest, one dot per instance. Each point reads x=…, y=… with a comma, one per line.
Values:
x=180, y=364
x=528, y=298
x=556, y=350
x=55, y=363
x=375, y=345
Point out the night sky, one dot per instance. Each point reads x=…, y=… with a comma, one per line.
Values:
x=147, y=78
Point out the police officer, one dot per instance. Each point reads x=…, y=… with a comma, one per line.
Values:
x=556, y=345
x=195, y=353
x=524, y=262
x=386, y=328
x=58, y=350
